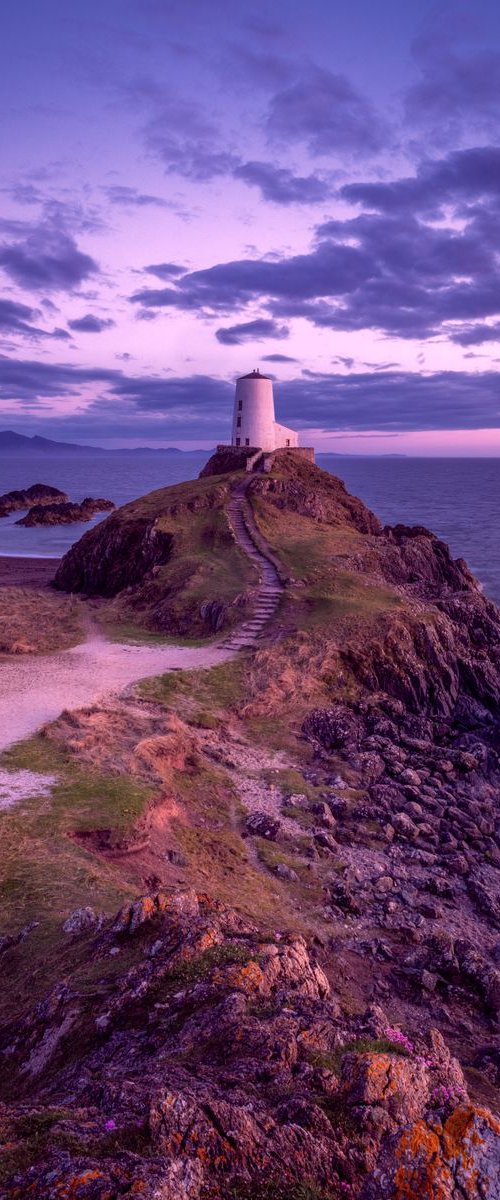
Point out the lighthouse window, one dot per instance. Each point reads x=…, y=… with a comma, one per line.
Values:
x=240, y=405
x=238, y=441
x=238, y=423
x=247, y=441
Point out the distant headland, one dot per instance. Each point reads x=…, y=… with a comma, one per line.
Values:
x=18, y=443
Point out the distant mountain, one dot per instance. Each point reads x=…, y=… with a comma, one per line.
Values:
x=17, y=443
x=352, y=454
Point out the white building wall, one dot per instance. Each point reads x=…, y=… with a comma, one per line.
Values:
x=285, y=436
x=254, y=421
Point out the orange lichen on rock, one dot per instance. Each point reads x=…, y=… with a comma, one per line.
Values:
x=132, y=916
x=401, y=1085
x=248, y=977
x=463, y=1158
x=422, y=1171
x=72, y=1189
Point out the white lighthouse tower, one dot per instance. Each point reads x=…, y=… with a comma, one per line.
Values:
x=254, y=422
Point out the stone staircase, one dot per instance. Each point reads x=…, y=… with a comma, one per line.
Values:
x=270, y=587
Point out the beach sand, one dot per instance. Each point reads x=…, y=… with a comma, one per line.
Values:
x=27, y=572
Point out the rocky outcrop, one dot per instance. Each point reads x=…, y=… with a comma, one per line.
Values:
x=432, y=665
x=137, y=538
x=170, y=557
x=113, y=556
x=65, y=513
x=219, y=1064
x=38, y=493
x=301, y=487
x=415, y=556
x=229, y=458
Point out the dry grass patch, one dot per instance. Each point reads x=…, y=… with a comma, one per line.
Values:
x=34, y=622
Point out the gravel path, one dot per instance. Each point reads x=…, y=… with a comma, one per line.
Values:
x=35, y=689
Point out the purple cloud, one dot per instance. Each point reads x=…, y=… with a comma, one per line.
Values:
x=463, y=176
x=455, y=88
x=129, y=197
x=476, y=335
x=47, y=258
x=278, y=358
x=186, y=141
x=251, y=331
x=17, y=319
x=91, y=324
x=280, y=185
x=325, y=112
x=392, y=268
x=165, y=270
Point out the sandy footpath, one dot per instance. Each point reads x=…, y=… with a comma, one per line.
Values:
x=35, y=689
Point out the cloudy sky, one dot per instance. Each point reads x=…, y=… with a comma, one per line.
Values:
x=193, y=188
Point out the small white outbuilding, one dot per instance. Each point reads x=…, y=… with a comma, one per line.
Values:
x=254, y=422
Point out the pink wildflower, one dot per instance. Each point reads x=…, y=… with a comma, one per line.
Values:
x=400, y=1039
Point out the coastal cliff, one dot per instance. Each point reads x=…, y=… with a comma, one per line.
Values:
x=268, y=967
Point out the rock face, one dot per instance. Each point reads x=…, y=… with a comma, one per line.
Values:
x=304, y=488
x=126, y=547
x=219, y=1065
x=65, y=513
x=228, y=458
x=38, y=493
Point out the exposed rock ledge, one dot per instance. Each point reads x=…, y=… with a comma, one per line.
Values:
x=38, y=493
x=65, y=512
x=219, y=1066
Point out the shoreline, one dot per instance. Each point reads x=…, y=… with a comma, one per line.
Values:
x=24, y=570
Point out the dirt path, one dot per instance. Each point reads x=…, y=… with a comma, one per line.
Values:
x=35, y=689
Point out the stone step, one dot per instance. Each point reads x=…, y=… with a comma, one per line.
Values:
x=270, y=591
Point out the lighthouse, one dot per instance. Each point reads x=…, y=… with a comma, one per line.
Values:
x=254, y=422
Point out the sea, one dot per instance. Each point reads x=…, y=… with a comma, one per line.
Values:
x=458, y=498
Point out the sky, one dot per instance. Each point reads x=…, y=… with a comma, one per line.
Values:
x=191, y=189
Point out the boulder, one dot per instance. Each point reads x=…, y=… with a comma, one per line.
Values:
x=83, y=920
x=261, y=824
